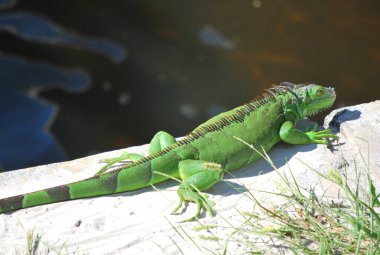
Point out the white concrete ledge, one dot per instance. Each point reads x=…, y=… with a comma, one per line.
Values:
x=139, y=222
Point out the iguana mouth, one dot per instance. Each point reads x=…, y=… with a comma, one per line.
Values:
x=321, y=110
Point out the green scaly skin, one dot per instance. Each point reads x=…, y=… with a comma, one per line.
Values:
x=200, y=159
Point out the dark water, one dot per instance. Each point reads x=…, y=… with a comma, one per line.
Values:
x=80, y=77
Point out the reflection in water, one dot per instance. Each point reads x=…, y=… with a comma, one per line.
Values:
x=24, y=133
x=39, y=29
x=210, y=36
x=18, y=74
x=187, y=63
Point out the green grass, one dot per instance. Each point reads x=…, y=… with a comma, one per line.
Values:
x=33, y=241
x=36, y=246
x=306, y=223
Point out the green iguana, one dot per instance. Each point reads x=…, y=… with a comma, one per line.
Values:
x=201, y=158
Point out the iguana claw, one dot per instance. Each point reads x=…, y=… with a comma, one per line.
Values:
x=201, y=200
x=321, y=137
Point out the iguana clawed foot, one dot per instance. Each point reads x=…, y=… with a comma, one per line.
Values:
x=321, y=137
x=197, y=176
x=201, y=200
x=290, y=134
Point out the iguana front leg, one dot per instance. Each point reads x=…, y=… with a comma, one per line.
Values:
x=160, y=141
x=290, y=134
x=197, y=176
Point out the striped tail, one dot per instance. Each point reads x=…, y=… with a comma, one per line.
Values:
x=125, y=179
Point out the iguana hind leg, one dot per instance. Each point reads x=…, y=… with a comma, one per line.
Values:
x=159, y=142
x=197, y=176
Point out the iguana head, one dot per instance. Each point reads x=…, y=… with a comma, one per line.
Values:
x=305, y=100
x=315, y=98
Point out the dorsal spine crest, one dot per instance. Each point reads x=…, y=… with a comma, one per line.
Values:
x=236, y=117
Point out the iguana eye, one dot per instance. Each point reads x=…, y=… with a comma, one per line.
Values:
x=320, y=92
